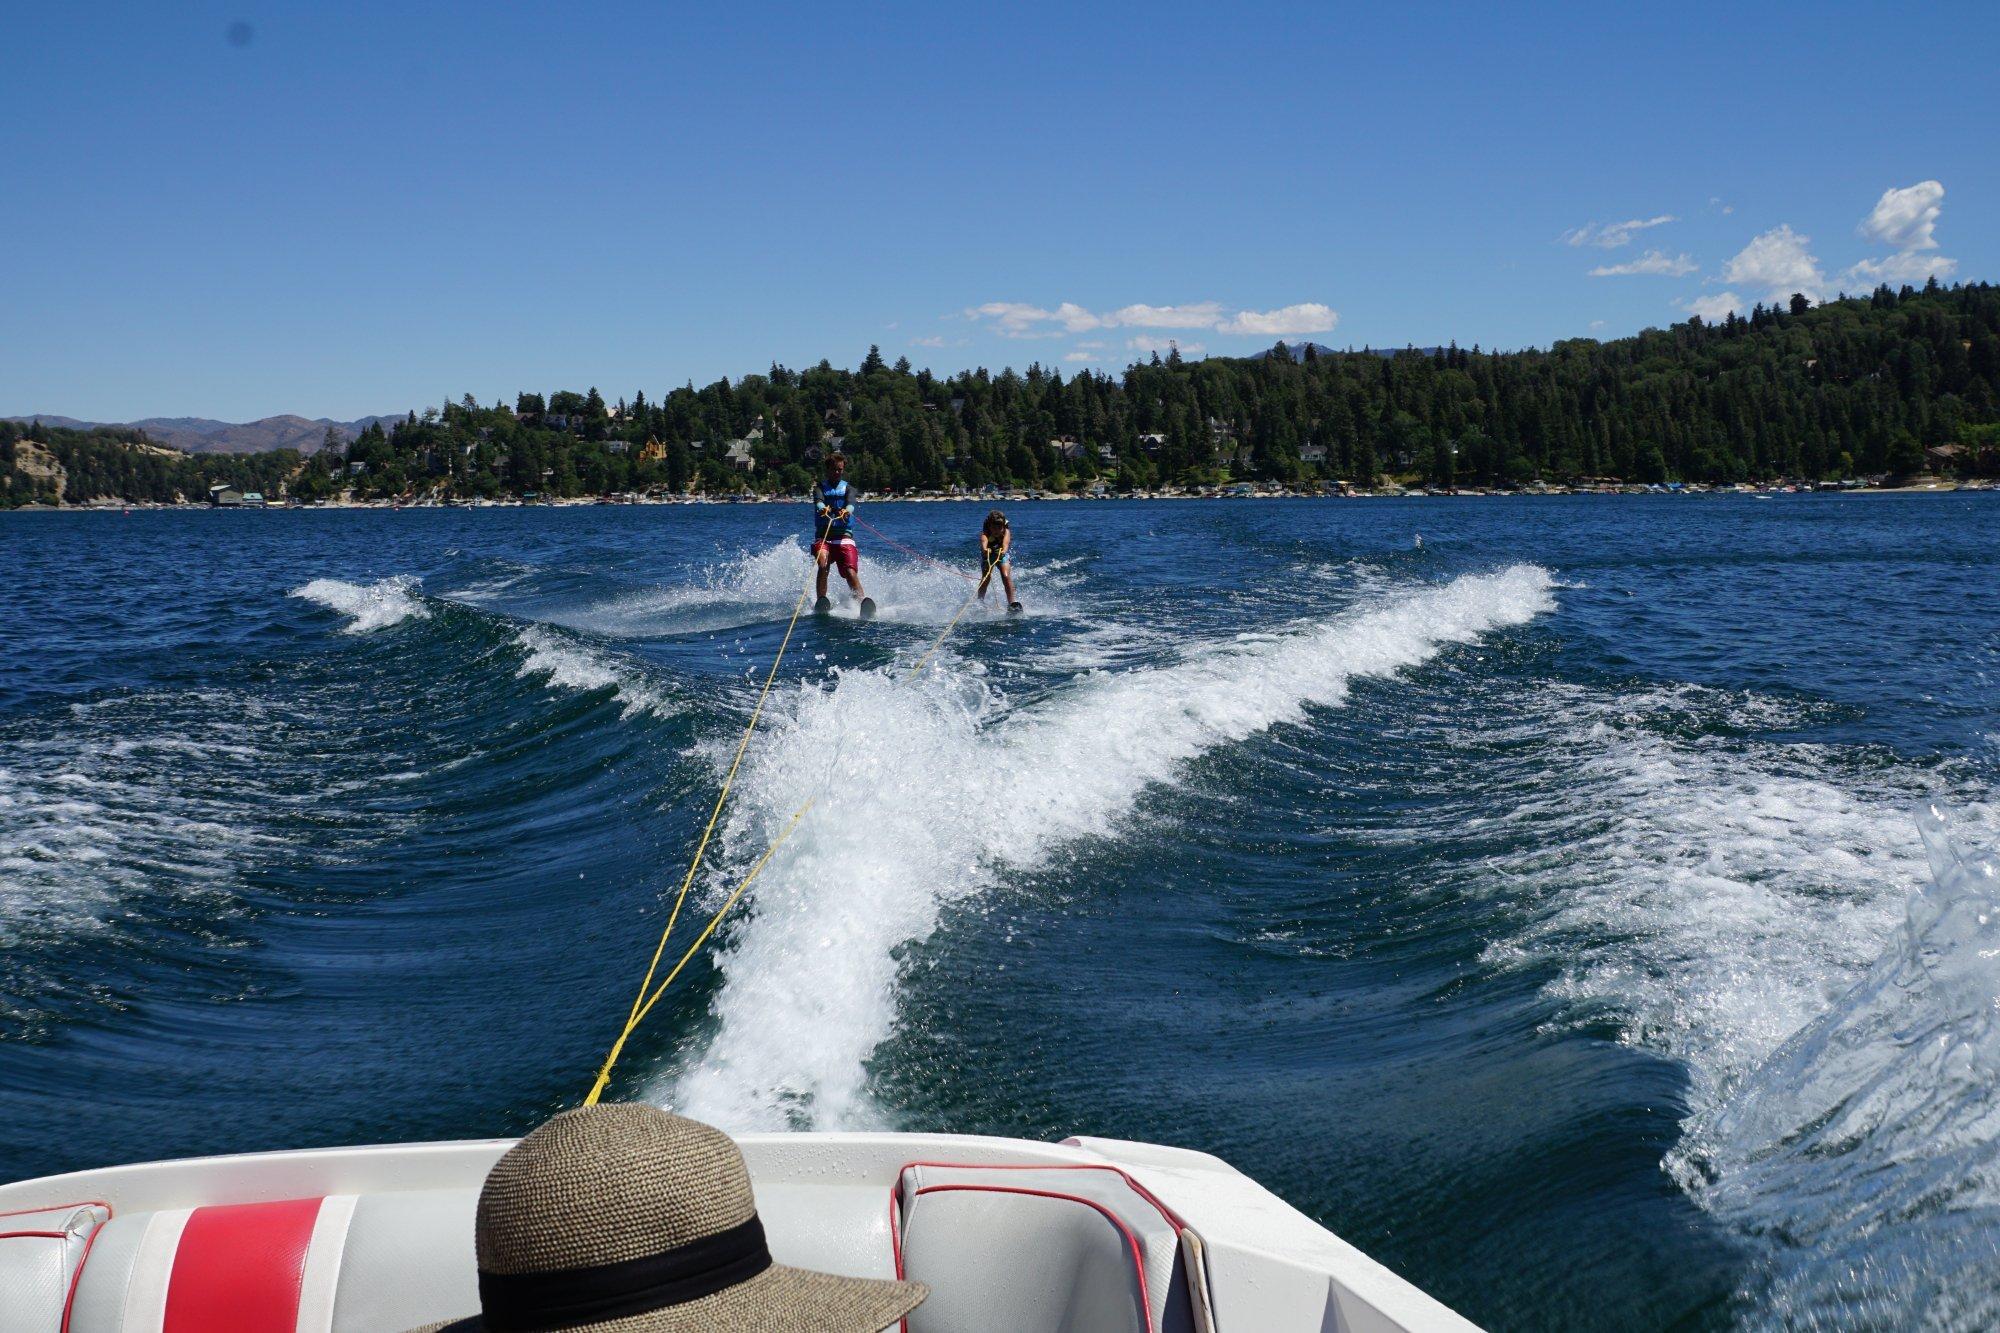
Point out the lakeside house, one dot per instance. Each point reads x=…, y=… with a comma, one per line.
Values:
x=223, y=496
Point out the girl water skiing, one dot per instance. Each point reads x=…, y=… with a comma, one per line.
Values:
x=996, y=545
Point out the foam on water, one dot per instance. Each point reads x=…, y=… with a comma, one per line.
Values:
x=368, y=606
x=566, y=663
x=1768, y=915
x=760, y=585
x=718, y=594
x=1712, y=898
x=920, y=803
x=94, y=821
x=1868, y=1145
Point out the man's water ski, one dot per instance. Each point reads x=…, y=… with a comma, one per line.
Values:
x=996, y=546
x=833, y=534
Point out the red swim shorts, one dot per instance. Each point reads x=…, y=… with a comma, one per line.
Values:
x=844, y=554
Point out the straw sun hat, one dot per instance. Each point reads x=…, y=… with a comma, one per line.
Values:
x=627, y=1219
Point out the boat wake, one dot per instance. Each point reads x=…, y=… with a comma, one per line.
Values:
x=566, y=663
x=745, y=589
x=1866, y=1149
x=920, y=804
x=368, y=606
x=1726, y=902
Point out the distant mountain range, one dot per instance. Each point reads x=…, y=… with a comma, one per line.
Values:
x=200, y=435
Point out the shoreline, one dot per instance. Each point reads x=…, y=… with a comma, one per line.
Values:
x=1922, y=486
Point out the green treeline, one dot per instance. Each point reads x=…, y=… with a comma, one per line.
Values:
x=120, y=464
x=1859, y=386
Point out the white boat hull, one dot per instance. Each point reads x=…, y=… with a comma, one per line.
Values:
x=384, y=1237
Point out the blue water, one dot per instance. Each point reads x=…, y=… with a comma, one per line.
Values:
x=1544, y=905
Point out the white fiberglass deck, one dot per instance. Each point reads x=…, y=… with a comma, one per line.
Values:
x=1086, y=1235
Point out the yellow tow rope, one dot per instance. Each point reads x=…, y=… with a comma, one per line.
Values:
x=648, y=994
x=640, y=1003
x=938, y=642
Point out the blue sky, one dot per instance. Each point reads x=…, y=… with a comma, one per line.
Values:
x=363, y=208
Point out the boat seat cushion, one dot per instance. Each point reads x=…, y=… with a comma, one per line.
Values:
x=1039, y=1250
x=378, y=1263
x=41, y=1254
x=370, y=1263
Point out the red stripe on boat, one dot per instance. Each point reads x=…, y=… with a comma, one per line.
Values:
x=239, y=1268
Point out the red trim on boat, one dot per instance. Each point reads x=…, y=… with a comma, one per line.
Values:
x=76, y=1278
x=240, y=1267
x=1173, y=1219
x=58, y=1207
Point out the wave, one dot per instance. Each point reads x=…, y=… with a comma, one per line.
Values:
x=559, y=660
x=1770, y=916
x=921, y=803
x=1868, y=1144
x=369, y=606
x=765, y=584
x=1711, y=897
x=566, y=663
x=750, y=585
x=135, y=821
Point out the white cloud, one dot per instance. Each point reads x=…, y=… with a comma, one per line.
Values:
x=1075, y=319
x=1713, y=308
x=1306, y=317
x=1715, y=202
x=1907, y=220
x=1904, y=219
x=1905, y=267
x=1083, y=356
x=1596, y=324
x=1200, y=315
x=1778, y=262
x=1613, y=234
x=1019, y=319
x=1652, y=262
x=1015, y=319
x=1148, y=343
x=934, y=340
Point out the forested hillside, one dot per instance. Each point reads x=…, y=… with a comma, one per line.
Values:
x=41, y=464
x=1858, y=386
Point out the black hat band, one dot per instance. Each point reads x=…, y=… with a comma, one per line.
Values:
x=565, y=1297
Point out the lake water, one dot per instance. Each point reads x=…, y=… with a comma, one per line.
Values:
x=1536, y=891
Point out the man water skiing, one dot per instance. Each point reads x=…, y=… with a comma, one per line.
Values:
x=996, y=548
x=833, y=534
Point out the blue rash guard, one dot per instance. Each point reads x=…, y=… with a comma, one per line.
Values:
x=829, y=499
